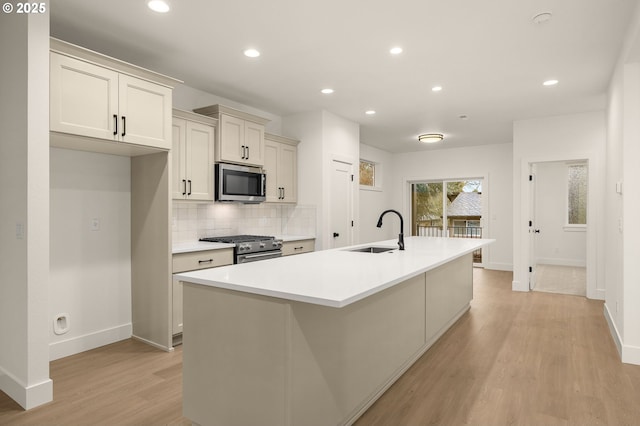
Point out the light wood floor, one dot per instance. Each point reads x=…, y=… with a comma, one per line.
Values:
x=515, y=358
x=561, y=279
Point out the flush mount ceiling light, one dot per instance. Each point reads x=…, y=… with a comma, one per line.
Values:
x=327, y=91
x=251, y=53
x=370, y=112
x=542, y=18
x=436, y=88
x=431, y=137
x=159, y=6
x=550, y=83
x=396, y=50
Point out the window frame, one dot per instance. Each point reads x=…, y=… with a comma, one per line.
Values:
x=575, y=227
x=377, y=176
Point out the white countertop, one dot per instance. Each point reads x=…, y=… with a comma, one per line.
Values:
x=336, y=277
x=287, y=238
x=198, y=246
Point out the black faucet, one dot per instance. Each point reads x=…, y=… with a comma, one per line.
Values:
x=401, y=236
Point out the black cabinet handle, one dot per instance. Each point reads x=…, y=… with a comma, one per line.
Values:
x=184, y=187
x=336, y=235
x=244, y=155
x=189, y=193
x=248, y=153
x=205, y=261
x=115, y=124
x=283, y=193
x=124, y=125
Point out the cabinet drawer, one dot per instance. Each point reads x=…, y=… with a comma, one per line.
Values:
x=183, y=262
x=298, y=247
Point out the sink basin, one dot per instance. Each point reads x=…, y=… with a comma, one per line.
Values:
x=373, y=249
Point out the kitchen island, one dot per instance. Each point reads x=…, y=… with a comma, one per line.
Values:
x=315, y=339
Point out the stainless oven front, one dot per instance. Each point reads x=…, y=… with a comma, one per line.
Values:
x=254, y=257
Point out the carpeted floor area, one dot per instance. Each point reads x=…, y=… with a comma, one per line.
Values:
x=561, y=279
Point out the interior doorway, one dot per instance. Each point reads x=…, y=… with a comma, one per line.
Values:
x=558, y=227
x=448, y=208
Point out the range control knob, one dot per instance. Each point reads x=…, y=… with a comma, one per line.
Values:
x=262, y=245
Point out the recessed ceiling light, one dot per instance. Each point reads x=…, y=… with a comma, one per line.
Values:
x=431, y=137
x=436, y=88
x=159, y=6
x=396, y=50
x=550, y=83
x=327, y=91
x=542, y=18
x=251, y=53
x=370, y=112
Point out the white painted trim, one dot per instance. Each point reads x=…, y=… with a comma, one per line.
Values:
x=518, y=286
x=617, y=339
x=578, y=263
x=497, y=266
x=628, y=354
x=27, y=396
x=89, y=341
x=150, y=343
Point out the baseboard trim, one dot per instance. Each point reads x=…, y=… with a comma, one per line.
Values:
x=154, y=344
x=518, y=286
x=562, y=262
x=499, y=266
x=27, y=396
x=89, y=341
x=617, y=339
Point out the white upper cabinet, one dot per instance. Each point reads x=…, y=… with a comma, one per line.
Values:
x=100, y=101
x=281, y=168
x=240, y=136
x=192, y=156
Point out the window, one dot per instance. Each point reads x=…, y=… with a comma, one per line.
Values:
x=367, y=173
x=577, y=195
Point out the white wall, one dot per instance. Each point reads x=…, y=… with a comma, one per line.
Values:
x=188, y=98
x=493, y=162
x=622, y=243
x=90, y=270
x=374, y=201
x=556, y=244
x=24, y=208
x=323, y=136
x=567, y=137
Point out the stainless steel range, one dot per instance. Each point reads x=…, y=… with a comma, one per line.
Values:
x=250, y=248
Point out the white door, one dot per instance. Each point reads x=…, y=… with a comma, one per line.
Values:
x=341, y=205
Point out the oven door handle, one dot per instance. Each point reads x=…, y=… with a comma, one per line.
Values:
x=270, y=254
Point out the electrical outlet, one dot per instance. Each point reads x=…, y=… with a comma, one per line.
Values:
x=95, y=224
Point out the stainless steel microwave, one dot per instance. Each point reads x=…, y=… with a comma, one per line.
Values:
x=240, y=183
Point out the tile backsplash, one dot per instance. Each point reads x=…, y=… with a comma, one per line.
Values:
x=191, y=221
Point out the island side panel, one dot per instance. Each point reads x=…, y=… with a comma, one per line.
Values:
x=235, y=357
x=449, y=290
x=344, y=358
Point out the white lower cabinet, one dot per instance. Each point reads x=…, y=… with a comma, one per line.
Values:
x=191, y=261
x=298, y=247
x=192, y=156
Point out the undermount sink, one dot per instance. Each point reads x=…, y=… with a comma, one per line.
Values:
x=372, y=249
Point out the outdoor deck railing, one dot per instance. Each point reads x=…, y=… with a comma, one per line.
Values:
x=453, y=232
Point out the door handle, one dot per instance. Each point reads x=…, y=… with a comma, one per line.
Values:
x=537, y=231
x=336, y=235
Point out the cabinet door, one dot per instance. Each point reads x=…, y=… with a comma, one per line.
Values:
x=254, y=141
x=83, y=98
x=271, y=167
x=145, y=112
x=231, y=143
x=199, y=161
x=178, y=159
x=288, y=173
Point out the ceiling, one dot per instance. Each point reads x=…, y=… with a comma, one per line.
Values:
x=489, y=57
